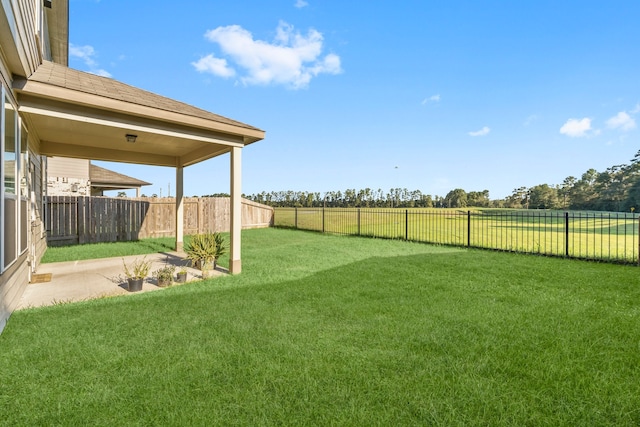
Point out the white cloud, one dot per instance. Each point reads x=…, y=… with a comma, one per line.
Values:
x=432, y=98
x=636, y=109
x=292, y=59
x=578, y=128
x=86, y=54
x=622, y=121
x=213, y=65
x=301, y=3
x=482, y=132
x=101, y=72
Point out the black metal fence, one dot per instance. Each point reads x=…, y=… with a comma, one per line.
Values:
x=603, y=236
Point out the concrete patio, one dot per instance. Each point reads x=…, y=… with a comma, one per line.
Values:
x=74, y=281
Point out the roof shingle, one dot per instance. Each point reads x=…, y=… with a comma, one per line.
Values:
x=104, y=176
x=68, y=78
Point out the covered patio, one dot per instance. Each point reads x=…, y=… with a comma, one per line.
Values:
x=81, y=115
x=74, y=281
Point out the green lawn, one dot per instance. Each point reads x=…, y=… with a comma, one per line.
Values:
x=330, y=330
x=112, y=249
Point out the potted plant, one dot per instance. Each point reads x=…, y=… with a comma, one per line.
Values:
x=164, y=275
x=136, y=272
x=204, y=250
x=181, y=276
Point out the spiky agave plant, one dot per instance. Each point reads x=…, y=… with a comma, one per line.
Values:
x=207, y=247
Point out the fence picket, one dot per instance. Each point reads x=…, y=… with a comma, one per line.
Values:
x=77, y=220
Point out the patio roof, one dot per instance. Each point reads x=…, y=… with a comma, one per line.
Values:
x=81, y=115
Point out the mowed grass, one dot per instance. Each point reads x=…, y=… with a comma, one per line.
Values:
x=111, y=249
x=330, y=330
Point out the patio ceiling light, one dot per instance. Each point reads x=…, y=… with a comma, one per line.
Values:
x=131, y=138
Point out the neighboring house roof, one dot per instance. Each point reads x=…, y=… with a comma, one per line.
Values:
x=105, y=178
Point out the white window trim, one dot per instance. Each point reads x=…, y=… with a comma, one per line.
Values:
x=16, y=195
x=22, y=172
x=2, y=125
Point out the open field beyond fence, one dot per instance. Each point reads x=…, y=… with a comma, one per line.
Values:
x=604, y=236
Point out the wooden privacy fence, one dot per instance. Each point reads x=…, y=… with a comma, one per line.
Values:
x=78, y=220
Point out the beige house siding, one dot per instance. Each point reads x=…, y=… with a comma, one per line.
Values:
x=38, y=244
x=12, y=285
x=66, y=167
x=22, y=31
x=22, y=24
x=68, y=177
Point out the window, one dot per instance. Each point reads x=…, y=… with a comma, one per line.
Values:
x=23, y=169
x=9, y=148
x=9, y=120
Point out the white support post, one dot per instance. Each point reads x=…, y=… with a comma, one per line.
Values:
x=179, y=209
x=235, y=264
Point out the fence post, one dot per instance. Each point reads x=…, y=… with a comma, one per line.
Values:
x=358, y=221
x=566, y=234
x=469, y=228
x=81, y=219
x=638, y=235
x=323, y=220
x=296, y=218
x=406, y=224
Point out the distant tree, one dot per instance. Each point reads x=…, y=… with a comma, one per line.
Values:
x=612, y=187
x=217, y=195
x=478, y=199
x=565, y=191
x=632, y=202
x=121, y=194
x=497, y=204
x=518, y=199
x=584, y=194
x=423, y=200
x=543, y=197
x=456, y=198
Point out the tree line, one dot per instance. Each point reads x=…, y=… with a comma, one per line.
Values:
x=615, y=189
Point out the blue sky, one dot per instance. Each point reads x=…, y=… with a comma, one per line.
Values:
x=429, y=95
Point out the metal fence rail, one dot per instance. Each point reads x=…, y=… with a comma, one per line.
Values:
x=603, y=236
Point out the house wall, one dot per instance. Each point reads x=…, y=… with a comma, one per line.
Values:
x=22, y=24
x=12, y=284
x=22, y=36
x=37, y=177
x=68, y=177
x=64, y=166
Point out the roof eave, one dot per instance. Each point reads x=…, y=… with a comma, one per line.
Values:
x=70, y=96
x=58, y=25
